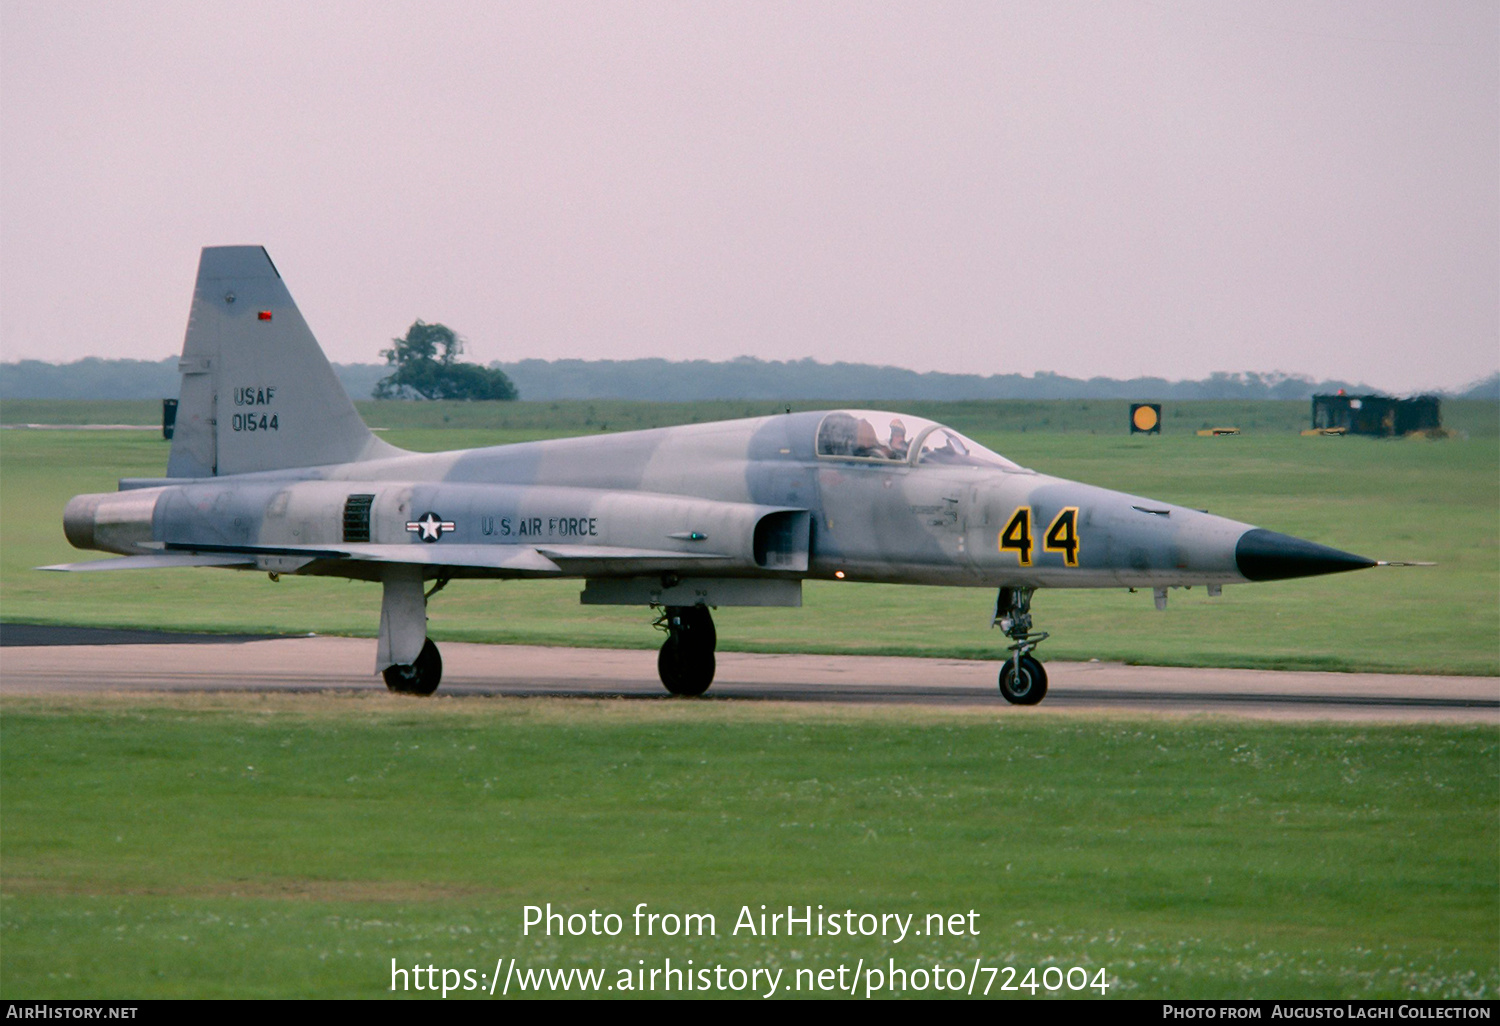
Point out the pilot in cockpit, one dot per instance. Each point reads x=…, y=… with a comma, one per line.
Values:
x=899, y=442
x=867, y=443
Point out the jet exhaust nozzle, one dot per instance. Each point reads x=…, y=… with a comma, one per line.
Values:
x=111, y=521
x=78, y=520
x=1263, y=555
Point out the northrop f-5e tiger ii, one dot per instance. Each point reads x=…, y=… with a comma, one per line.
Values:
x=272, y=469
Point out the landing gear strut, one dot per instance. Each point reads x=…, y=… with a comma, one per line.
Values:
x=1023, y=679
x=686, y=660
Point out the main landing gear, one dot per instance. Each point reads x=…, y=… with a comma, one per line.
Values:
x=686, y=660
x=405, y=655
x=1023, y=679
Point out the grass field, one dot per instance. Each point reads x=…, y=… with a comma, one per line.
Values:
x=1407, y=500
x=292, y=846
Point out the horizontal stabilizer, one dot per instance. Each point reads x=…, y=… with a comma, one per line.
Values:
x=156, y=562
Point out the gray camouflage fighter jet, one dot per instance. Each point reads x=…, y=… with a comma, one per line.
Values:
x=271, y=469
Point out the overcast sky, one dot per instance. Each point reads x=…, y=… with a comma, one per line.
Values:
x=1166, y=187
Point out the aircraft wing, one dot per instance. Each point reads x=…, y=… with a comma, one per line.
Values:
x=559, y=559
x=554, y=559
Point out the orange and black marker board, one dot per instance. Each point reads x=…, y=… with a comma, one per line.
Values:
x=1145, y=418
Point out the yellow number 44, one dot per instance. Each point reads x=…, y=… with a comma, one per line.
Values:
x=1017, y=535
x=1062, y=535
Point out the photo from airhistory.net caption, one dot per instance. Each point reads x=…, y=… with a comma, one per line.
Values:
x=668, y=975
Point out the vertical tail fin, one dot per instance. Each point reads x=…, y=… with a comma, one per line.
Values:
x=257, y=391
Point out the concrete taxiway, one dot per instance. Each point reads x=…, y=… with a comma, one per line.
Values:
x=51, y=661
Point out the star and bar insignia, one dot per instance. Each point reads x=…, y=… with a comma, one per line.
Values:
x=429, y=526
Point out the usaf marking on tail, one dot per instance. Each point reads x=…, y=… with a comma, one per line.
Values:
x=682, y=519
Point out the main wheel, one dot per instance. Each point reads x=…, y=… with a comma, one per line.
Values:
x=686, y=661
x=421, y=677
x=685, y=669
x=1026, y=687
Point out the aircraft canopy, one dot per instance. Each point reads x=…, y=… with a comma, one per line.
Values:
x=899, y=438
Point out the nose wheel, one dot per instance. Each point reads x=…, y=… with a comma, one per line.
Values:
x=1023, y=679
x=686, y=660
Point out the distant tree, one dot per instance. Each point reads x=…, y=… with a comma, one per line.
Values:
x=426, y=367
x=1488, y=388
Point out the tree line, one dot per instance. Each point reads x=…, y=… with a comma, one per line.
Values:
x=680, y=380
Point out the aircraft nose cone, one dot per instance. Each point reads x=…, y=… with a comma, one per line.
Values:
x=1263, y=555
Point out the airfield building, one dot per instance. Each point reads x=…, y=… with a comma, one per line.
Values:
x=1379, y=415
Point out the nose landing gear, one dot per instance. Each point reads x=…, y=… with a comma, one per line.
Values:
x=1023, y=679
x=686, y=660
